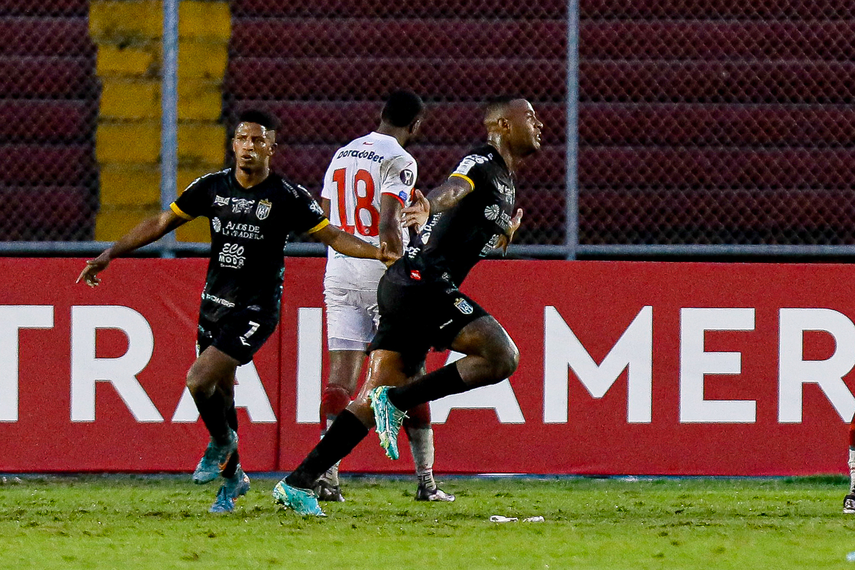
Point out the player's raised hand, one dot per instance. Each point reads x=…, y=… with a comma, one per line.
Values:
x=386, y=255
x=418, y=212
x=89, y=275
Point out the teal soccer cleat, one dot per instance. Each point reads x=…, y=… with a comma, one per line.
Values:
x=388, y=420
x=215, y=459
x=301, y=501
x=233, y=488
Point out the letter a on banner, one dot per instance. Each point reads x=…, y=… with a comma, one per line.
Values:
x=633, y=351
x=499, y=397
x=121, y=372
x=249, y=394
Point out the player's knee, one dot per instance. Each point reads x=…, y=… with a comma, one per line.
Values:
x=505, y=362
x=198, y=385
x=334, y=400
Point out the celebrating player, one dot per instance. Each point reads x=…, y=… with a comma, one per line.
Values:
x=366, y=185
x=421, y=306
x=251, y=212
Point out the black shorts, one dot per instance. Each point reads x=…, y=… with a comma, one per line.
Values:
x=415, y=316
x=239, y=334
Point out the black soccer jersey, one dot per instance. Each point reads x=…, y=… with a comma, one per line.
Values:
x=455, y=240
x=249, y=229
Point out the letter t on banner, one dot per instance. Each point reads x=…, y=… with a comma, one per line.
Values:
x=12, y=319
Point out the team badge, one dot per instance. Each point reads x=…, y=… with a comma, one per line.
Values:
x=263, y=209
x=407, y=177
x=217, y=224
x=463, y=306
x=491, y=212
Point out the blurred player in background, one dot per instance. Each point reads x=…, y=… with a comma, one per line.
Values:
x=849, y=499
x=251, y=212
x=366, y=186
x=421, y=306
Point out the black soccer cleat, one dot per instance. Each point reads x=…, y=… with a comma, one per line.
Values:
x=435, y=495
x=328, y=492
x=849, y=504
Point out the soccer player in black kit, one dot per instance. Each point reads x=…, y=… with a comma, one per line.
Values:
x=251, y=212
x=421, y=306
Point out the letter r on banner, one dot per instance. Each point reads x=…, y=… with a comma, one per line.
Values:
x=794, y=370
x=121, y=372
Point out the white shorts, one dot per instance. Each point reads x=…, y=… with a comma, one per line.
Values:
x=352, y=318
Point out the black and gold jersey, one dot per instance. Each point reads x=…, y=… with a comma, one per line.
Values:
x=452, y=242
x=249, y=229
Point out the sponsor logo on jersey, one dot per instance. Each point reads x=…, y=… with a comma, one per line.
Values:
x=506, y=191
x=491, y=212
x=407, y=177
x=244, y=231
x=217, y=300
x=463, y=306
x=416, y=275
x=263, y=209
x=469, y=162
x=242, y=205
x=232, y=256
x=403, y=196
x=221, y=201
x=368, y=155
x=216, y=224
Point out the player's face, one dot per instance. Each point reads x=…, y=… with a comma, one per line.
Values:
x=525, y=128
x=253, y=146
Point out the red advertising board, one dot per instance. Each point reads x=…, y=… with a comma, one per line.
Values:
x=626, y=368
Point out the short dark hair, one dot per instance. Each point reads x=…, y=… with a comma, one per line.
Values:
x=402, y=108
x=266, y=120
x=498, y=104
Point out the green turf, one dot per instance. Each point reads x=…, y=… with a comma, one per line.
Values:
x=130, y=522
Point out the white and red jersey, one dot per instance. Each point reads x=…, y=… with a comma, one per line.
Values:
x=357, y=176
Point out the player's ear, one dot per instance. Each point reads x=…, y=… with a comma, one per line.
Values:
x=273, y=148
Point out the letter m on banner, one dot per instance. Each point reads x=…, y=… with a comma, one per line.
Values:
x=633, y=352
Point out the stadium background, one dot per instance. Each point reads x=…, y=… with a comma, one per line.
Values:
x=672, y=127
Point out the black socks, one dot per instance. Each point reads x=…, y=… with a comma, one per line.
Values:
x=341, y=437
x=433, y=386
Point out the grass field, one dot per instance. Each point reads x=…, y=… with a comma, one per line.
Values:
x=131, y=522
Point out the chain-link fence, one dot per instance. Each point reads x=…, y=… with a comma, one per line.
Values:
x=324, y=67
x=717, y=122
x=48, y=112
x=699, y=122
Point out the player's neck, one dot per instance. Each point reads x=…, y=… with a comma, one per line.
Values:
x=505, y=151
x=249, y=178
x=396, y=133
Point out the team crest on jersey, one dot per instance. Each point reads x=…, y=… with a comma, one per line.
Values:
x=463, y=306
x=407, y=177
x=217, y=224
x=491, y=212
x=263, y=209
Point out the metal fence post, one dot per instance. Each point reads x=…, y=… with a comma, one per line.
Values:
x=169, y=116
x=571, y=207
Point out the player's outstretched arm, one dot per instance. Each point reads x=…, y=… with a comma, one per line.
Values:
x=146, y=232
x=440, y=199
x=347, y=244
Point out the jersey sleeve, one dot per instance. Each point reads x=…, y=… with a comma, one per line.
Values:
x=194, y=201
x=472, y=168
x=399, y=177
x=306, y=215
